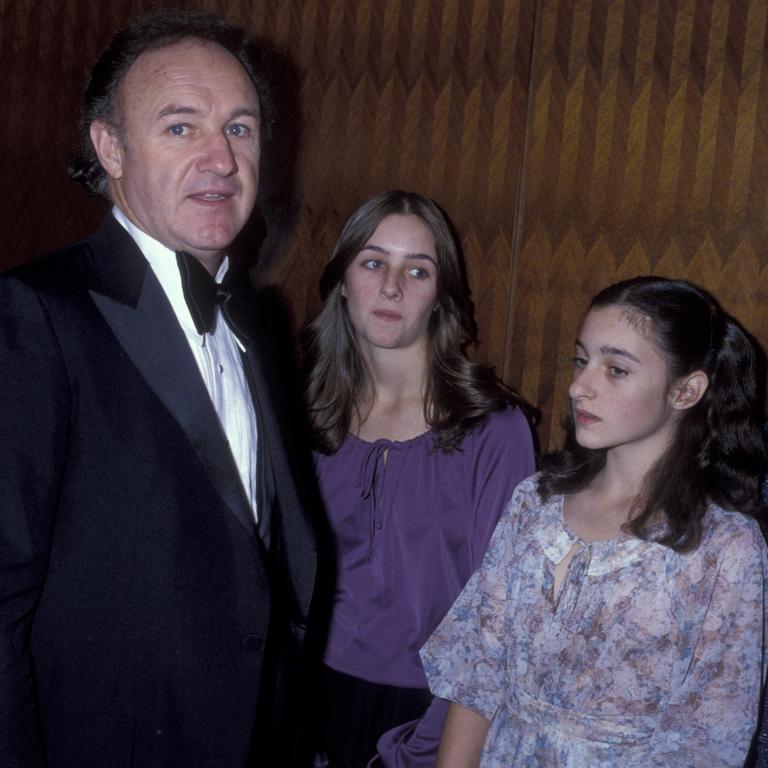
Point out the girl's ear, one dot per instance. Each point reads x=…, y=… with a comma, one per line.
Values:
x=343, y=288
x=688, y=390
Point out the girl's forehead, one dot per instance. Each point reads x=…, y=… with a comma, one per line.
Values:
x=618, y=326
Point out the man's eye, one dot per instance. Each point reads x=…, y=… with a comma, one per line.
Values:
x=238, y=130
x=178, y=130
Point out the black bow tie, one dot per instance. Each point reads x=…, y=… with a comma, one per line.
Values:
x=203, y=294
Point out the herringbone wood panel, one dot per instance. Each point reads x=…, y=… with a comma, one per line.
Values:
x=573, y=142
x=647, y=151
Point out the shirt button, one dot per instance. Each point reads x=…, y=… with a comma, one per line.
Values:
x=252, y=642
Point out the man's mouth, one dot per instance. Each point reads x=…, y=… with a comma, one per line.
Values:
x=210, y=197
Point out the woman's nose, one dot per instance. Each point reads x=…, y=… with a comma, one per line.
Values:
x=390, y=286
x=582, y=385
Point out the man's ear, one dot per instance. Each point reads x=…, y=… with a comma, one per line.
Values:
x=109, y=148
x=688, y=390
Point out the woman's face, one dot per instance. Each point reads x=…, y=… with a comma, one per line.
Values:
x=621, y=394
x=391, y=284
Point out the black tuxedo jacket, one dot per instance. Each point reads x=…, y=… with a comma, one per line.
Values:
x=141, y=612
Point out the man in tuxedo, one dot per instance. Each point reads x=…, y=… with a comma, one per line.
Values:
x=156, y=556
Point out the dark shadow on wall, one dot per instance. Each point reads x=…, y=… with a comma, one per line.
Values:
x=259, y=245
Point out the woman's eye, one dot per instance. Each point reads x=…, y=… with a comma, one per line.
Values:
x=372, y=263
x=178, y=130
x=579, y=362
x=617, y=372
x=418, y=272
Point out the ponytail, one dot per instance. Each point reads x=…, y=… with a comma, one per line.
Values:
x=732, y=453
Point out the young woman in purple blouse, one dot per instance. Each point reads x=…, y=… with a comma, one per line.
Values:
x=417, y=451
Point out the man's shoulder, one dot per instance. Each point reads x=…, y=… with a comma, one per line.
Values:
x=53, y=267
x=76, y=265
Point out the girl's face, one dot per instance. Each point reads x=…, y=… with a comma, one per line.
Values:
x=391, y=285
x=621, y=394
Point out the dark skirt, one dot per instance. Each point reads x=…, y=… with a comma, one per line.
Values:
x=354, y=713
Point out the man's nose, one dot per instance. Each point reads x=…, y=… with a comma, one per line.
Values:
x=217, y=156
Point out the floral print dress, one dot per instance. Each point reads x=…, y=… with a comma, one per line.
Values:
x=646, y=657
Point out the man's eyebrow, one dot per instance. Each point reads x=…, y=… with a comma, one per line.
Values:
x=178, y=109
x=245, y=112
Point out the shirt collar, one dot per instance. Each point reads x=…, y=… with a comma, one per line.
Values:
x=162, y=260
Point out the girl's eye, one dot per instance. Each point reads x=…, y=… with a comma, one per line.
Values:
x=372, y=263
x=579, y=362
x=178, y=130
x=419, y=273
x=616, y=372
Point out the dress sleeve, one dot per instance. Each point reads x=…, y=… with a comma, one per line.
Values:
x=34, y=424
x=465, y=659
x=711, y=719
x=502, y=455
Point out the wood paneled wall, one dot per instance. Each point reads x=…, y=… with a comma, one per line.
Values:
x=647, y=153
x=573, y=143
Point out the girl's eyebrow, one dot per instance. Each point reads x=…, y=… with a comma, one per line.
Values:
x=605, y=350
x=618, y=351
x=378, y=249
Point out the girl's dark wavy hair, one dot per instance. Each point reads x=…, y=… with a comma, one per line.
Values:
x=157, y=28
x=459, y=393
x=717, y=453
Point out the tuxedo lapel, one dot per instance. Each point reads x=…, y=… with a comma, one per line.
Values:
x=265, y=470
x=135, y=307
x=289, y=531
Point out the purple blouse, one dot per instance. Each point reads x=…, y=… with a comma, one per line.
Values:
x=411, y=526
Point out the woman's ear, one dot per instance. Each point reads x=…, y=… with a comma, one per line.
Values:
x=343, y=289
x=688, y=390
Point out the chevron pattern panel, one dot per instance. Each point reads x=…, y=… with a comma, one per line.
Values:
x=646, y=153
x=572, y=142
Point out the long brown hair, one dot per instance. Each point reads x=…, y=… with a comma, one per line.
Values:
x=459, y=393
x=717, y=453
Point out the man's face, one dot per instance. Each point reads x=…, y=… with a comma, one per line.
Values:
x=185, y=165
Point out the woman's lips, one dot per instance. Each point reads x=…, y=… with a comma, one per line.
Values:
x=384, y=314
x=585, y=418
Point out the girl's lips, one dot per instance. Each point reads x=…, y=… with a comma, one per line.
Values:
x=585, y=417
x=384, y=314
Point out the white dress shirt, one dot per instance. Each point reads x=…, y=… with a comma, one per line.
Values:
x=217, y=356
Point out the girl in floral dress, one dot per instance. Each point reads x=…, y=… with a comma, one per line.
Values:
x=618, y=618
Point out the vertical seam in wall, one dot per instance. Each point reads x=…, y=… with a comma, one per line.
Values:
x=517, y=221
